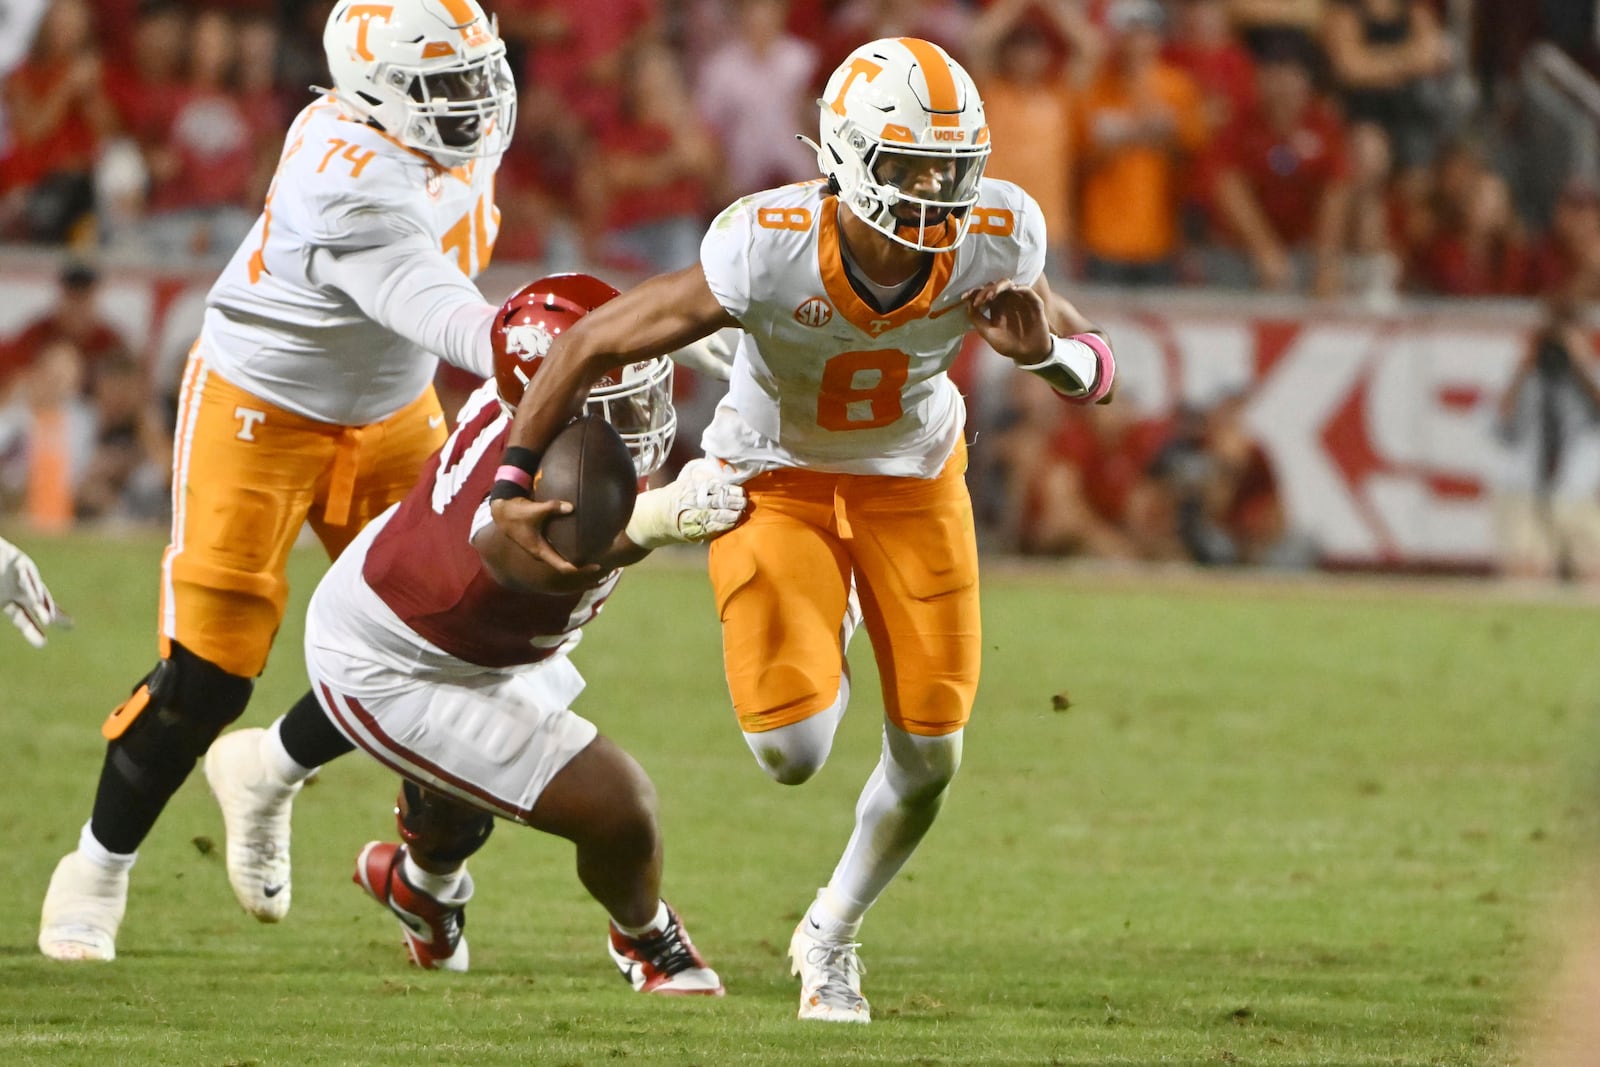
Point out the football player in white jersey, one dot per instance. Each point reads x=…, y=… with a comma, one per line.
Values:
x=854, y=295
x=307, y=398
x=440, y=648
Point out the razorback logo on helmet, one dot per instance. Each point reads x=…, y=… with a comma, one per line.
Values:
x=814, y=312
x=527, y=340
x=637, y=401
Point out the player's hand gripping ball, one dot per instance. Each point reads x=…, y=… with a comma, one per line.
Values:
x=588, y=466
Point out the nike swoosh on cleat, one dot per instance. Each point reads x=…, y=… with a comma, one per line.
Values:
x=270, y=891
x=412, y=922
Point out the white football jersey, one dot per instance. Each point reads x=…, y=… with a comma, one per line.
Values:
x=274, y=328
x=820, y=378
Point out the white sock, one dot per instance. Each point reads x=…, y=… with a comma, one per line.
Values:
x=654, y=926
x=896, y=807
x=280, y=764
x=833, y=918
x=90, y=848
x=441, y=887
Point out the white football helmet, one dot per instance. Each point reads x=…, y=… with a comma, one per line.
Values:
x=431, y=73
x=904, y=141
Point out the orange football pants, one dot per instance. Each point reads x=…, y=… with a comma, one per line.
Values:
x=782, y=581
x=247, y=475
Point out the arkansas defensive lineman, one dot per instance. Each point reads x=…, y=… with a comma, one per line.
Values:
x=440, y=648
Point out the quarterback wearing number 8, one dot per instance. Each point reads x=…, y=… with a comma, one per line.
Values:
x=307, y=398
x=853, y=294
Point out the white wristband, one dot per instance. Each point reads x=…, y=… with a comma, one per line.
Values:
x=1073, y=356
x=655, y=519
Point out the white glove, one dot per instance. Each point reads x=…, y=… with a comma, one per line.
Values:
x=711, y=355
x=700, y=505
x=23, y=597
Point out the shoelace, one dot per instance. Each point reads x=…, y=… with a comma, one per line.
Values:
x=837, y=959
x=454, y=923
x=667, y=951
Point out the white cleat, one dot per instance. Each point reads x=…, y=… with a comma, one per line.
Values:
x=255, y=817
x=82, y=910
x=830, y=977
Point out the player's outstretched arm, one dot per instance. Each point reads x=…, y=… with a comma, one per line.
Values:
x=702, y=503
x=1065, y=319
x=412, y=288
x=1043, y=333
x=23, y=596
x=659, y=317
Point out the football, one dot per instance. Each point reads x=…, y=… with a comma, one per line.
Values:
x=587, y=464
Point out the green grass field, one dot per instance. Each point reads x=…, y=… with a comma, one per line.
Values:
x=1299, y=823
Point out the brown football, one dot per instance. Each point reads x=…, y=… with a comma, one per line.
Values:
x=588, y=465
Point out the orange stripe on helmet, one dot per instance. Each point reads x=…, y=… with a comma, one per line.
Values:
x=461, y=12
x=943, y=98
x=467, y=21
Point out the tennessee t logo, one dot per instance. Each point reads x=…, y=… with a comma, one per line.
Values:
x=858, y=68
x=366, y=13
x=248, y=418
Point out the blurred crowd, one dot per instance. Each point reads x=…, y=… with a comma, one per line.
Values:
x=1362, y=147
x=1104, y=483
x=1352, y=149
x=81, y=436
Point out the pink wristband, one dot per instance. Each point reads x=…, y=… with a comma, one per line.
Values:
x=1107, y=368
x=515, y=475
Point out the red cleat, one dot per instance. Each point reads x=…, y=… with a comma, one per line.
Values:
x=433, y=928
x=665, y=962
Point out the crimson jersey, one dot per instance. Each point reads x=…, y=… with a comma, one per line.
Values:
x=422, y=564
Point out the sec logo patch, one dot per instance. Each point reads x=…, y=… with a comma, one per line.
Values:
x=814, y=312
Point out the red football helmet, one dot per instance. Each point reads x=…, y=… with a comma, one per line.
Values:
x=636, y=400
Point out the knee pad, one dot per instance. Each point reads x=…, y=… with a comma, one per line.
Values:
x=174, y=714
x=439, y=828
x=792, y=754
x=918, y=766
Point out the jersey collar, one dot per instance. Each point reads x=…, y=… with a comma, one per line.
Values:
x=870, y=321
